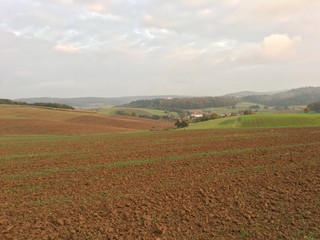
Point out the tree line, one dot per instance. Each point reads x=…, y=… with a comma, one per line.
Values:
x=39, y=104
x=184, y=103
x=314, y=107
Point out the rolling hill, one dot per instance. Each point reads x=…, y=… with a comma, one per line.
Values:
x=299, y=96
x=251, y=93
x=34, y=120
x=261, y=121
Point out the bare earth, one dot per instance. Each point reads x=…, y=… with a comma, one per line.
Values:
x=237, y=184
x=31, y=120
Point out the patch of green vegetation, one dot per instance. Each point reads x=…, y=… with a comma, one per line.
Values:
x=132, y=163
x=221, y=123
x=239, y=107
x=244, y=234
x=148, y=171
x=280, y=120
x=29, y=188
x=103, y=195
x=302, y=235
x=28, y=155
x=52, y=200
x=43, y=172
x=27, y=159
x=128, y=163
x=261, y=121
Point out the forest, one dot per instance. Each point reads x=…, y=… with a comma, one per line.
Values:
x=184, y=103
x=37, y=104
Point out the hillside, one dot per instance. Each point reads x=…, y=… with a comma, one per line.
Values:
x=261, y=121
x=37, y=104
x=299, y=96
x=251, y=93
x=33, y=120
x=183, y=103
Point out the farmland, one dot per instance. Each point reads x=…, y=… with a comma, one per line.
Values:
x=261, y=121
x=246, y=105
x=138, y=111
x=31, y=120
x=197, y=184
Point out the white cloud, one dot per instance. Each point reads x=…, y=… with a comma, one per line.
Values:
x=231, y=3
x=65, y=48
x=96, y=7
x=274, y=11
x=204, y=13
x=196, y=3
x=279, y=46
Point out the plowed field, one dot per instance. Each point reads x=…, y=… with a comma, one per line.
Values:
x=32, y=120
x=204, y=184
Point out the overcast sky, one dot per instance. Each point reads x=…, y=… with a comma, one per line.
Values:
x=108, y=48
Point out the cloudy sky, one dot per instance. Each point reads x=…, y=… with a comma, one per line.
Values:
x=109, y=48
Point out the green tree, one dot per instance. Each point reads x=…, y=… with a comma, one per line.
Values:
x=214, y=116
x=314, y=106
x=181, y=124
x=248, y=112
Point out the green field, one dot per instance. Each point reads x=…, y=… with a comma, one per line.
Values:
x=245, y=105
x=261, y=121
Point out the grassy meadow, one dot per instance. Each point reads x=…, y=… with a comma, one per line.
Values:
x=245, y=105
x=261, y=121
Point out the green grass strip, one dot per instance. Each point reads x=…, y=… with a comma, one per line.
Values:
x=121, y=164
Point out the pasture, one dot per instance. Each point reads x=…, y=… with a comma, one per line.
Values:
x=246, y=105
x=261, y=121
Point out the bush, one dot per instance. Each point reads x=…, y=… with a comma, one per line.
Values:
x=248, y=112
x=214, y=116
x=181, y=124
x=122, y=113
x=254, y=107
x=52, y=105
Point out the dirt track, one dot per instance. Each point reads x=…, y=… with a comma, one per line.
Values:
x=244, y=184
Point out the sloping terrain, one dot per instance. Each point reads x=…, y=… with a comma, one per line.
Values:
x=32, y=120
x=261, y=121
x=129, y=111
x=299, y=96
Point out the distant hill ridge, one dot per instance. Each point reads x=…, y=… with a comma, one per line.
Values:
x=36, y=104
x=93, y=102
x=299, y=96
x=252, y=93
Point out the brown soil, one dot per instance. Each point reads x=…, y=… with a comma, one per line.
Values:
x=239, y=184
x=30, y=120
